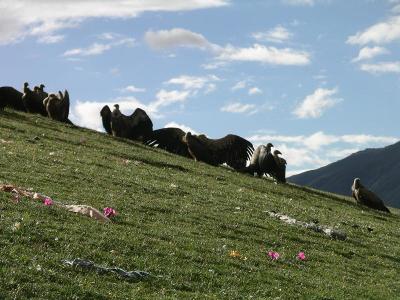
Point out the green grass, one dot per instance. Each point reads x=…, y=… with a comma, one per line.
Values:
x=178, y=219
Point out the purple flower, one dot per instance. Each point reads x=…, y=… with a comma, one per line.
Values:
x=48, y=201
x=301, y=256
x=273, y=255
x=109, y=212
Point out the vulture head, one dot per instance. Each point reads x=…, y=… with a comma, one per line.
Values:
x=356, y=183
x=186, y=136
x=41, y=87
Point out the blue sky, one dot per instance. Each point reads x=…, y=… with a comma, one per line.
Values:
x=320, y=79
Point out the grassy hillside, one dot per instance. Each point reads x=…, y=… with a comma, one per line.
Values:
x=378, y=169
x=178, y=220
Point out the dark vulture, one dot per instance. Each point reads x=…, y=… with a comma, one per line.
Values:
x=169, y=139
x=264, y=162
x=105, y=114
x=366, y=197
x=10, y=97
x=57, y=106
x=257, y=158
x=137, y=126
x=40, y=91
x=280, y=172
x=231, y=149
x=33, y=101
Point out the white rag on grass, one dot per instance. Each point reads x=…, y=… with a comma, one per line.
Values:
x=331, y=232
x=76, y=208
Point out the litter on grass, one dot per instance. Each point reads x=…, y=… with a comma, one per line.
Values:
x=87, y=264
x=331, y=232
x=86, y=210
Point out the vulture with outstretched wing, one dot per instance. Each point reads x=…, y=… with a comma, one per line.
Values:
x=367, y=197
x=231, y=149
x=10, y=97
x=137, y=126
x=169, y=139
x=105, y=114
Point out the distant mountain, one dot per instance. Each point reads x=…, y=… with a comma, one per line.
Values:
x=378, y=169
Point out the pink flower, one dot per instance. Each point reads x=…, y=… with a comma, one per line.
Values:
x=109, y=212
x=301, y=256
x=48, y=201
x=274, y=255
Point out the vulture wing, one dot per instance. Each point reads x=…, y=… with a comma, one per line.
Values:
x=169, y=139
x=141, y=125
x=231, y=149
x=66, y=106
x=105, y=114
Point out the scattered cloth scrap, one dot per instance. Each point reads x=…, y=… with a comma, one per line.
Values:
x=331, y=232
x=86, y=210
x=87, y=264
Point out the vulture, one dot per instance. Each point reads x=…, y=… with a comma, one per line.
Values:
x=10, y=97
x=137, y=126
x=40, y=91
x=105, y=114
x=258, y=155
x=264, y=162
x=366, y=197
x=169, y=139
x=280, y=172
x=231, y=149
x=32, y=101
x=57, y=106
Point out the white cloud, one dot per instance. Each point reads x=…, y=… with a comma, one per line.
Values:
x=238, y=107
x=42, y=17
x=239, y=85
x=299, y=2
x=266, y=55
x=382, y=67
x=166, y=98
x=363, y=139
x=99, y=48
x=181, y=126
x=108, y=36
x=50, y=39
x=195, y=82
x=177, y=37
x=314, y=105
x=132, y=89
x=214, y=65
x=380, y=33
x=278, y=34
x=370, y=52
x=254, y=91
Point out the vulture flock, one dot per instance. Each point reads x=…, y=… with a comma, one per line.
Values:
x=231, y=150
x=54, y=106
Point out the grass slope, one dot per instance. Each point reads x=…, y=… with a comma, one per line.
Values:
x=179, y=220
